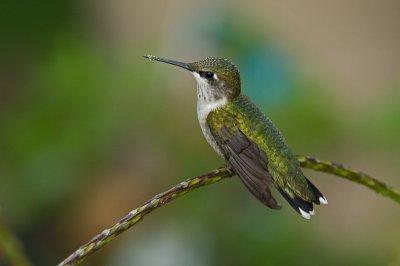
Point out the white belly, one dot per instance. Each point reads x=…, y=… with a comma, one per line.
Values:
x=203, y=109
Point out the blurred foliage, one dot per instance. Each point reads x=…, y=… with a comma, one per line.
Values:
x=75, y=113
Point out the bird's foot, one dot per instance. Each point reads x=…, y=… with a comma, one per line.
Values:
x=229, y=169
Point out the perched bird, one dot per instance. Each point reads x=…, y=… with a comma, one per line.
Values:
x=253, y=148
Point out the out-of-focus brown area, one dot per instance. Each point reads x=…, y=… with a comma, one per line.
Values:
x=89, y=129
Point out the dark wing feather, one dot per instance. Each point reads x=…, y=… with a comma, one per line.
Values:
x=249, y=162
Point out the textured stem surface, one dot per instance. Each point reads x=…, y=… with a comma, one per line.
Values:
x=182, y=188
x=137, y=214
x=352, y=175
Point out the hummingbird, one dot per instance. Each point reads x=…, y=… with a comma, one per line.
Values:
x=251, y=145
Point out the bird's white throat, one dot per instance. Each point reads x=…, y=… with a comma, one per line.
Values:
x=207, y=102
x=206, y=98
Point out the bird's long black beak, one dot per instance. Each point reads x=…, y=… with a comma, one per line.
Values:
x=168, y=61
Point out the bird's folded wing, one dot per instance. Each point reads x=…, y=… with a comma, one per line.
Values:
x=248, y=161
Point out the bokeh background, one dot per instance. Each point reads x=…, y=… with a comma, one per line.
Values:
x=89, y=129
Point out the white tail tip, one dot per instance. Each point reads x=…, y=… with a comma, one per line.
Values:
x=323, y=200
x=305, y=215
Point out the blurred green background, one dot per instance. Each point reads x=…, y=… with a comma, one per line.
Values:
x=89, y=129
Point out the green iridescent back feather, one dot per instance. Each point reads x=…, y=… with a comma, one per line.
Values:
x=241, y=114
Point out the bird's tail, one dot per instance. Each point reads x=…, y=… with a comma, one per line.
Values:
x=303, y=207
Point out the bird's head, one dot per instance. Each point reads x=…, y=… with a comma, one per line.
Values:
x=216, y=77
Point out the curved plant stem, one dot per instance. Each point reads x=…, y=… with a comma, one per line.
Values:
x=137, y=214
x=215, y=176
x=352, y=175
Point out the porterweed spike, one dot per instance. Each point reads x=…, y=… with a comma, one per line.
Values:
x=150, y=57
x=212, y=177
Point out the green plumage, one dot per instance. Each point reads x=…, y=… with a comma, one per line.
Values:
x=241, y=114
x=251, y=145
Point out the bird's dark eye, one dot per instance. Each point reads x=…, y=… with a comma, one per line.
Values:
x=209, y=75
